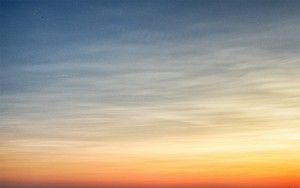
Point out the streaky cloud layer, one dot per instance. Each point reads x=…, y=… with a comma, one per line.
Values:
x=141, y=93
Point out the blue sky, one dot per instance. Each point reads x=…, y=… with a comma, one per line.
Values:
x=57, y=56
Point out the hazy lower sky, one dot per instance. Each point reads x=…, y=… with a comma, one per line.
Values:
x=150, y=93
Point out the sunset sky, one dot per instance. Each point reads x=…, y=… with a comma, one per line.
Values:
x=150, y=94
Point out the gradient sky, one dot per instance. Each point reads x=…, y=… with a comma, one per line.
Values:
x=150, y=93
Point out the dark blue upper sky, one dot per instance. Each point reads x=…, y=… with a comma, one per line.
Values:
x=31, y=29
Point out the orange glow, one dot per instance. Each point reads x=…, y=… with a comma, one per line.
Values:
x=191, y=167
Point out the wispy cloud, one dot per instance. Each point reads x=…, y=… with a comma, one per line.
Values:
x=184, y=79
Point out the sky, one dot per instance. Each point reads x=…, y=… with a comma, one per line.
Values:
x=149, y=94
